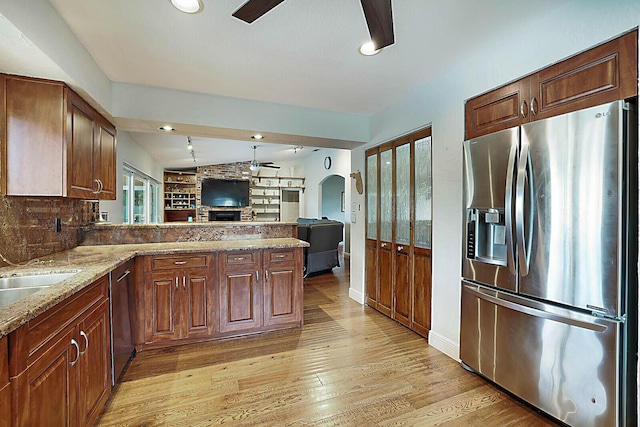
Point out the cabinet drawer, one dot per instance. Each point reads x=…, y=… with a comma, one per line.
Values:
x=44, y=327
x=245, y=257
x=281, y=255
x=173, y=262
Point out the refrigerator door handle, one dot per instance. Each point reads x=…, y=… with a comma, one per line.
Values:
x=508, y=207
x=596, y=327
x=521, y=181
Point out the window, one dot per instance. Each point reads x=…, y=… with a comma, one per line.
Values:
x=139, y=197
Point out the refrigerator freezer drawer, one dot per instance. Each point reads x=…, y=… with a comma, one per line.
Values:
x=563, y=362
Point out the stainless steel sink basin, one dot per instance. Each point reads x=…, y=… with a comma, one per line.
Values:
x=15, y=288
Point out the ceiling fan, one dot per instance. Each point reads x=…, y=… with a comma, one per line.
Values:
x=376, y=12
x=255, y=165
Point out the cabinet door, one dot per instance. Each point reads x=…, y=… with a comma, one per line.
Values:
x=421, y=313
x=80, y=134
x=49, y=391
x=198, y=304
x=34, y=138
x=402, y=262
x=385, y=266
x=162, y=307
x=94, y=364
x=606, y=73
x=5, y=386
x=498, y=109
x=282, y=286
x=240, y=292
x=371, y=273
x=104, y=156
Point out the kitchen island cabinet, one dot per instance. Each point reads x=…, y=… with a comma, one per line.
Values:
x=282, y=297
x=60, y=362
x=180, y=297
x=241, y=305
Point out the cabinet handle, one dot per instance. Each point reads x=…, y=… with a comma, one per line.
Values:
x=523, y=109
x=184, y=282
x=97, y=190
x=125, y=274
x=177, y=282
x=238, y=258
x=383, y=245
x=400, y=248
x=266, y=275
x=75, y=344
x=257, y=277
x=100, y=186
x=280, y=256
x=86, y=342
x=179, y=262
x=534, y=106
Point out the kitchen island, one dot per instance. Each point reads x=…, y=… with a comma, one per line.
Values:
x=55, y=343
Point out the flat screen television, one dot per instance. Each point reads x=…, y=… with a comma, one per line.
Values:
x=225, y=192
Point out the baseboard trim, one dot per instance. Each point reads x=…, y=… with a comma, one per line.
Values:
x=445, y=345
x=356, y=295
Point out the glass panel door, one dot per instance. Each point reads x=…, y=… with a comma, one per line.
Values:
x=139, y=203
x=126, y=207
x=372, y=197
x=403, y=194
x=423, y=193
x=386, y=196
x=153, y=202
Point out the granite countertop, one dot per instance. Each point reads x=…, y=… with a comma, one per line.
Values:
x=93, y=262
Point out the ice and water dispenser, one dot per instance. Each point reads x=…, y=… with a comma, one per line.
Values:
x=486, y=236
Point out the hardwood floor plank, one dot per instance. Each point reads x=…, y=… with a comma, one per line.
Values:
x=348, y=366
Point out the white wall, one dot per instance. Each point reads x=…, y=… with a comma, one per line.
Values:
x=129, y=151
x=331, y=190
x=573, y=26
x=315, y=174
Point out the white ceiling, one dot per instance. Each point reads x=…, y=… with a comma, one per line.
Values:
x=302, y=53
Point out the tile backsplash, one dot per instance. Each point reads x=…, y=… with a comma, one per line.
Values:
x=28, y=225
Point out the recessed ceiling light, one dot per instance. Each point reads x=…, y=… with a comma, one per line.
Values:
x=188, y=6
x=166, y=128
x=257, y=136
x=368, y=49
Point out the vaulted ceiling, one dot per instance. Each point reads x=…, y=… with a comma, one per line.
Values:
x=303, y=53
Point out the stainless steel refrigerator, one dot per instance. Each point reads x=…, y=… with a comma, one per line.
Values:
x=549, y=301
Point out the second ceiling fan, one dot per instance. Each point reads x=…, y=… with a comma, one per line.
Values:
x=256, y=165
x=376, y=12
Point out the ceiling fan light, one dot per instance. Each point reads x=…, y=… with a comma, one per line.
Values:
x=254, y=167
x=368, y=49
x=188, y=6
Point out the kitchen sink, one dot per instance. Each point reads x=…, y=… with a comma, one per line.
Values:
x=15, y=288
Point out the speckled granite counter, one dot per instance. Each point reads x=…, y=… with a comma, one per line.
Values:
x=96, y=261
x=110, y=234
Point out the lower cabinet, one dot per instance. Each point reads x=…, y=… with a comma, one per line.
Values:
x=5, y=386
x=240, y=291
x=219, y=294
x=282, y=295
x=60, y=362
x=180, y=297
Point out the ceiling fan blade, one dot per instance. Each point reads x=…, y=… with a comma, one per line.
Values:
x=254, y=9
x=271, y=165
x=380, y=21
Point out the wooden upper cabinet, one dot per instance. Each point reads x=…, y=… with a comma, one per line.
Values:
x=33, y=136
x=499, y=109
x=91, y=149
x=50, y=129
x=605, y=73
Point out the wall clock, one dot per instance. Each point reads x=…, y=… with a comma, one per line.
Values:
x=327, y=162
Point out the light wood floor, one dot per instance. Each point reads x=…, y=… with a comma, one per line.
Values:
x=348, y=366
